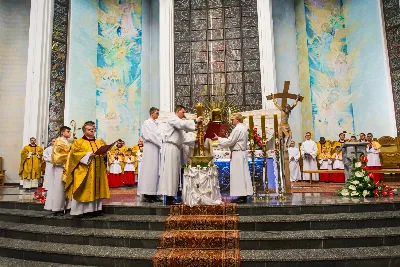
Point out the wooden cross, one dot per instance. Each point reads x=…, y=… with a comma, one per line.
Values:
x=285, y=95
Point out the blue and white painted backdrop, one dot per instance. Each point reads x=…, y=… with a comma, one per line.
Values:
x=113, y=65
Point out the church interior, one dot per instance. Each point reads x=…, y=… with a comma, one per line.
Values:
x=318, y=71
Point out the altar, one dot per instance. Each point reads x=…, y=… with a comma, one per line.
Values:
x=222, y=161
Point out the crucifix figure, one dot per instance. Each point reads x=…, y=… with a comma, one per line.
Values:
x=285, y=109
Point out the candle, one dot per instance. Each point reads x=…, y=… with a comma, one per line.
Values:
x=276, y=133
x=251, y=125
x=263, y=126
x=199, y=109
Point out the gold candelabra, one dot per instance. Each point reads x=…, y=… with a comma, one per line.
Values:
x=252, y=150
x=264, y=149
x=199, y=156
x=278, y=157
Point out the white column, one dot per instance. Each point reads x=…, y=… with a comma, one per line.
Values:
x=267, y=51
x=38, y=71
x=166, y=55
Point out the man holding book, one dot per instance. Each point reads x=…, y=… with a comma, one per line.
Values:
x=86, y=173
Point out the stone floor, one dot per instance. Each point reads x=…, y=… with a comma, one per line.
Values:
x=305, y=229
x=126, y=196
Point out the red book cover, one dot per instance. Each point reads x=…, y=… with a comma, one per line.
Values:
x=104, y=149
x=216, y=128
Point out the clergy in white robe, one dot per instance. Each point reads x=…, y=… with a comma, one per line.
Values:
x=294, y=167
x=188, y=147
x=240, y=183
x=171, y=159
x=374, y=161
x=150, y=158
x=49, y=167
x=309, y=151
x=56, y=200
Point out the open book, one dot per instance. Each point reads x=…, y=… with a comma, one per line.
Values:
x=104, y=149
x=216, y=128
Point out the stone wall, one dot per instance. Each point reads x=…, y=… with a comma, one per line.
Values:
x=391, y=12
x=217, y=52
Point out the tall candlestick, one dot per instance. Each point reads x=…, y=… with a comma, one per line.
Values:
x=263, y=126
x=199, y=109
x=276, y=133
x=251, y=125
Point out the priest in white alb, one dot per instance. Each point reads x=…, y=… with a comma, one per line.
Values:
x=149, y=169
x=56, y=200
x=309, y=151
x=240, y=184
x=374, y=161
x=48, y=173
x=172, y=138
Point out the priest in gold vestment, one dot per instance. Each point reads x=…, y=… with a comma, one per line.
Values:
x=30, y=166
x=85, y=179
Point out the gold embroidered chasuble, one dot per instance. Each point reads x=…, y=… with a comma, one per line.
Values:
x=86, y=183
x=60, y=152
x=30, y=168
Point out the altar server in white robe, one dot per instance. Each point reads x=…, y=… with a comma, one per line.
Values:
x=49, y=167
x=309, y=151
x=240, y=184
x=294, y=156
x=149, y=169
x=56, y=200
x=188, y=147
x=171, y=149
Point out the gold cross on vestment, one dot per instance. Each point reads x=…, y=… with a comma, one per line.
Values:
x=285, y=95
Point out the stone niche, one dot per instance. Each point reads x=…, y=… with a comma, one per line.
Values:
x=351, y=150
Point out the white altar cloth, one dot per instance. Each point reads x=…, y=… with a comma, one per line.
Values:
x=201, y=186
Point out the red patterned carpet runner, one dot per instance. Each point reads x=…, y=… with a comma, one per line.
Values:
x=200, y=236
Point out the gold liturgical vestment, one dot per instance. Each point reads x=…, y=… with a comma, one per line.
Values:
x=60, y=152
x=86, y=183
x=30, y=168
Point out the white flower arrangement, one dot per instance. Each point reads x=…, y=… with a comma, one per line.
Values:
x=357, y=164
x=345, y=192
x=352, y=187
x=359, y=174
x=355, y=182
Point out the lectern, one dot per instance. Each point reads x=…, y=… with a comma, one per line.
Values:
x=350, y=151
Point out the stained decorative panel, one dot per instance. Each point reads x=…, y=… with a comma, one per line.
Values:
x=217, y=50
x=58, y=67
x=391, y=11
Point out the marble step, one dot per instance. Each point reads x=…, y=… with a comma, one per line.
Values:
x=10, y=262
x=260, y=207
x=246, y=223
x=119, y=256
x=75, y=254
x=343, y=257
x=249, y=240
